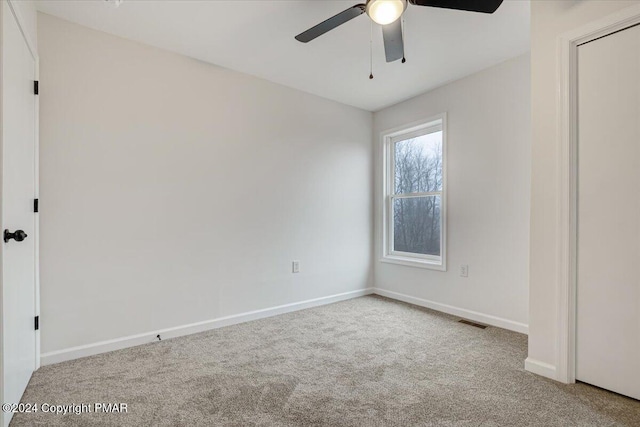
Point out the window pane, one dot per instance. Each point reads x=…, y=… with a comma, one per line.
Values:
x=418, y=164
x=416, y=225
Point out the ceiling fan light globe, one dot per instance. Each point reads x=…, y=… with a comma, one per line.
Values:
x=385, y=12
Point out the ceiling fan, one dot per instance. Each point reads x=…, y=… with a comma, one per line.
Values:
x=387, y=14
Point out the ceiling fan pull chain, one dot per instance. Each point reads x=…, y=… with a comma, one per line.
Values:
x=371, y=51
x=404, y=22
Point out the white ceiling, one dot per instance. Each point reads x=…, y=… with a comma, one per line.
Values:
x=257, y=38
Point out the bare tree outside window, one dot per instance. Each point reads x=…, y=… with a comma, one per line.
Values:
x=417, y=197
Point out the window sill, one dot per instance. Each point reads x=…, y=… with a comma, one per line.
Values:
x=414, y=262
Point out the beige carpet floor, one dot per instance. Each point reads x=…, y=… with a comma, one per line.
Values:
x=363, y=362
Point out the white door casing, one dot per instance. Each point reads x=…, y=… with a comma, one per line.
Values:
x=567, y=101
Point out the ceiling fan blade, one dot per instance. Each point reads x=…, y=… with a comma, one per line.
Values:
x=331, y=23
x=393, y=43
x=484, y=6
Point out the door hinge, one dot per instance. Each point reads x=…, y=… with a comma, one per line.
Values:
x=36, y=208
x=35, y=87
x=36, y=322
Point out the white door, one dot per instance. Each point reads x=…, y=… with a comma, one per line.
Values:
x=18, y=189
x=608, y=248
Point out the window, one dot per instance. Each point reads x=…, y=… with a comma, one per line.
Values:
x=414, y=212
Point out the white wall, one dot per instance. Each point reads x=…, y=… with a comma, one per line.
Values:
x=489, y=135
x=549, y=19
x=174, y=191
x=26, y=9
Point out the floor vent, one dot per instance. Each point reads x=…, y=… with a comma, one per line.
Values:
x=469, y=322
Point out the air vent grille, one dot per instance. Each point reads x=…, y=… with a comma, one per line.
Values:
x=470, y=323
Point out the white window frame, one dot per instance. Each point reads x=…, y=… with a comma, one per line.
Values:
x=388, y=139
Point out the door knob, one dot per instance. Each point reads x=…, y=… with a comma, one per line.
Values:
x=18, y=236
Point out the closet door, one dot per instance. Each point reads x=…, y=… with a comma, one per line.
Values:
x=608, y=248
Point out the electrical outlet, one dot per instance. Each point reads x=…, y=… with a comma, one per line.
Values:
x=295, y=266
x=464, y=270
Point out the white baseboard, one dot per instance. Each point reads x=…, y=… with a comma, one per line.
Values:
x=139, y=339
x=460, y=312
x=540, y=368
